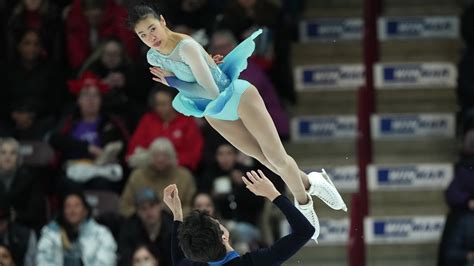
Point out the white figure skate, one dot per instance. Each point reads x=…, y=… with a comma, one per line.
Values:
x=323, y=188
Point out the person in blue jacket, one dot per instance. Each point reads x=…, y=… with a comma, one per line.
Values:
x=200, y=239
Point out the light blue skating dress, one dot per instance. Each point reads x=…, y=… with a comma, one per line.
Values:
x=206, y=89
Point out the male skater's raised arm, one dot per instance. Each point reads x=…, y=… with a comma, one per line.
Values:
x=203, y=240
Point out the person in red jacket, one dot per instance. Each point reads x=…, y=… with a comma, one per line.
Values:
x=89, y=22
x=164, y=121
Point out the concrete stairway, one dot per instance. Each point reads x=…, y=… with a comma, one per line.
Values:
x=420, y=202
x=340, y=152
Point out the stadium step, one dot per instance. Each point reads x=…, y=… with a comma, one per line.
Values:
x=412, y=100
x=323, y=154
x=326, y=53
x=325, y=102
x=343, y=102
x=353, y=10
x=401, y=203
x=423, y=150
x=402, y=254
x=427, y=50
x=327, y=9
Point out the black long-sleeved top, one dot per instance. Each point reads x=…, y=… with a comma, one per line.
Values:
x=276, y=254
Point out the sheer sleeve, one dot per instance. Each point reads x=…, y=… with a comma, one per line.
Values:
x=191, y=53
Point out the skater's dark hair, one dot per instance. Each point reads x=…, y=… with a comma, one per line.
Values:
x=200, y=238
x=140, y=12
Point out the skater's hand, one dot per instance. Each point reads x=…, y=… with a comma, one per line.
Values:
x=171, y=199
x=217, y=58
x=160, y=75
x=260, y=185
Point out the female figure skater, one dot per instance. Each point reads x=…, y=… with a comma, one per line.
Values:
x=231, y=106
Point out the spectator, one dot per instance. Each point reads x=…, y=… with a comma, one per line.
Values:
x=74, y=238
x=189, y=16
x=43, y=16
x=91, y=135
x=21, y=241
x=203, y=202
x=460, y=193
x=460, y=198
x=89, y=22
x=222, y=43
x=150, y=226
x=164, y=121
x=460, y=243
x=111, y=64
x=6, y=258
x=233, y=200
x=30, y=77
x=144, y=257
x=26, y=125
x=21, y=186
x=157, y=169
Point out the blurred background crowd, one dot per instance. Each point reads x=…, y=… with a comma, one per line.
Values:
x=88, y=141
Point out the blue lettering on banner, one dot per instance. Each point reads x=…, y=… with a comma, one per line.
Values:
x=418, y=27
x=329, y=76
x=332, y=29
x=403, y=227
x=407, y=175
x=342, y=176
x=331, y=229
x=414, y=27
x=325, y=127
x=410, y=73
x=410, y=125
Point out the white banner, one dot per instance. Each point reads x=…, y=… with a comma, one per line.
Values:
x=390, y=28
x=333, y=231
x=331, y=29
x=403, y=230
x=349, y=76
x=415, y=75
x=410, y=177
x=412, y=125
x=323, y=127
x=345, y=178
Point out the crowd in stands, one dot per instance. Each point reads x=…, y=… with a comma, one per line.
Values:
x=88, y=140
x=457, y=243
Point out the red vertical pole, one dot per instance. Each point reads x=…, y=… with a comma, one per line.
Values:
x=366, y=97
x=365, y=107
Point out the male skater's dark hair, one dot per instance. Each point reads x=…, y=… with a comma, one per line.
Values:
x=200, y=238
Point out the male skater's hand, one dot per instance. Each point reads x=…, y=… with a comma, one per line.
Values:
x=260, y=185
x=171, y=199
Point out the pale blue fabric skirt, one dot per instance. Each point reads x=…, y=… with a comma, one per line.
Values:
x=225, y=106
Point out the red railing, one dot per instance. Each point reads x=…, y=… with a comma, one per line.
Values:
x=365, y=108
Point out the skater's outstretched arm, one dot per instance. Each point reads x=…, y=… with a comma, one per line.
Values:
x=302, y=230
x=172, y=200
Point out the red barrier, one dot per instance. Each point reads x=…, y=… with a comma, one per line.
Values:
x=365, y=108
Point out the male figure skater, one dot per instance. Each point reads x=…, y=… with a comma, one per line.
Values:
x=200, y=239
